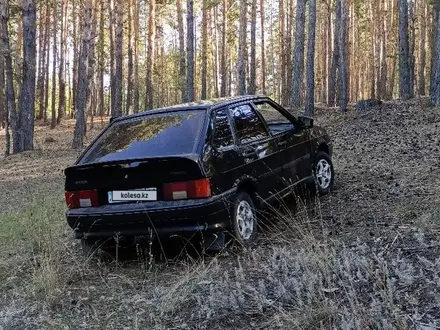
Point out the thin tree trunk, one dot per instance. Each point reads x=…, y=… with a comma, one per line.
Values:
x=130, y=57
x=216, y=64
x=90, y=104
x=404, y=55
x=298, y=54
x=224, y=73
x=150, y=53
x=422, y=49
x=136, y=58
x=3, y=105
x=61, y=73
x=75, y=58
x=412, y=46
x=27, y=93
x=41, y=59
x=253, y=65
x=81, y=98
x=10, y=91
x=282, y=54
x=204, y=48
x=117, y=108
x=335, y=57
x=435, y=70
x=54, y=65
x=263, y=51
x=241, y=64
x=182, y=59
x=343, y=70
x=101, y=59
x=112, y=24
x=190, y=51
x=310, y=100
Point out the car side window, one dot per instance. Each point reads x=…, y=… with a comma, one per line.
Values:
x=248, y=125
x=276, y=121
x=222, y=131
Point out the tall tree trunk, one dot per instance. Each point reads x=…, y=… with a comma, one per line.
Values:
x=75, y=57
x=253, y=65
x=27, y=93
x=435, y=62
x=130, y=57
x=101, y=59
x=335, y=57
x=204, y=48
x=182, y=59
x=383, y=54
x=343, y=65
x=298, y=54
x=112, y=24
x=281, y=54
x=263, y=51
x=412, y=46
x=11, y=112
x=310, y=100
x=54, y=65
x=119, y=12
x=422, y=48
x=404, y=55
x=150, y=53
x=136, y=58
x=61, y=73
x=3, y=105
x=190, y=50
x=41, y=59
x=224, y=64
x=81, y=98
x=329, y=58
x=241, y=63
x=216, y=55
x=90, y=105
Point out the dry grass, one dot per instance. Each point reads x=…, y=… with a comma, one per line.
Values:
x=365, y=257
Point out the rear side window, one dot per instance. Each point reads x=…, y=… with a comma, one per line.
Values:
x=222, y=132
x=247, y=123
x=157, y=135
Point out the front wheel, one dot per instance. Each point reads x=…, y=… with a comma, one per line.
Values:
x=323, y=172
x=244, y=219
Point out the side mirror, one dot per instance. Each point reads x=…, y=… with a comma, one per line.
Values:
x=111, y=119
x=306, y=122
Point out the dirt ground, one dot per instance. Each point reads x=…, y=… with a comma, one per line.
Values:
x=365, y=257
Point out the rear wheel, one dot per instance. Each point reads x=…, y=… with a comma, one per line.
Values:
x=244, y=219
x=324, y=173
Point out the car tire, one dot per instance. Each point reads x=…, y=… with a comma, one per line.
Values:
x=323, y=173
x=244, y=220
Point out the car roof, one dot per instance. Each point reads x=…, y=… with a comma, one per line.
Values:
x=199, y=105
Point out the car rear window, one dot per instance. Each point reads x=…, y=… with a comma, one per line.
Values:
x=170, y=134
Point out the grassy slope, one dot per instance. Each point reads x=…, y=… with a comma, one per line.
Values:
x=366, y=256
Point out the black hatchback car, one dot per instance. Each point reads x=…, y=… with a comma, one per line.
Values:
x=201, y=167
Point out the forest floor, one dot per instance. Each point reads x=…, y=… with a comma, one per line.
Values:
x=365, y=257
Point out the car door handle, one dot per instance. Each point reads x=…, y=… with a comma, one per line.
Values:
x=282, y=143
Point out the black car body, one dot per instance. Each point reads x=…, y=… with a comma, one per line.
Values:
x=183, y=166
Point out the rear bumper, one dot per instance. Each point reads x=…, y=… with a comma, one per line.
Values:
x=165, y=218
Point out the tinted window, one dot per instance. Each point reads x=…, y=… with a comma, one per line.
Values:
x=247, y=123
x=270, y=113
x=150, y=136
x=274, y=118
x=222, y=133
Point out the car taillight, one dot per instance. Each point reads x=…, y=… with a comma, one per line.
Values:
x=83, y=198
x=187, y=190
